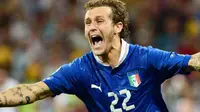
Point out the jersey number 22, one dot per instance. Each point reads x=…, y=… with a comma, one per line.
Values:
x=124, y=105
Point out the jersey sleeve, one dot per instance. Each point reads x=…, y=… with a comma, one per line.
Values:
x=66, y=79
x=167, y=63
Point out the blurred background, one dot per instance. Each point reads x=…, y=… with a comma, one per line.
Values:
x=37, y=36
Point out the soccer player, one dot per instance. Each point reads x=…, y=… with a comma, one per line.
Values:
x=115, y=76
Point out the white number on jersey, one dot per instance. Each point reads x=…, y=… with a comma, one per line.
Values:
x=124, y=103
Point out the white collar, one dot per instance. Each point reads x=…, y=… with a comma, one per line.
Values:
x=123, y=54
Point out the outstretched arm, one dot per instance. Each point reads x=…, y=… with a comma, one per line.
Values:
x=24, y=94
x=194, y=63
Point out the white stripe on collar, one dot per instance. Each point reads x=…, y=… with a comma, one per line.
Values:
x=123, y=54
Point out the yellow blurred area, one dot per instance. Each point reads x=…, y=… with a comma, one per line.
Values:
x=192, y=28
x=5, y=56
x=75, y=54
x=33, y=72
x=8, y=5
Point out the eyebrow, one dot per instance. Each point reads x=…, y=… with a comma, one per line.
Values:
x=87, y=19
x=99, y=16
x=95, y=17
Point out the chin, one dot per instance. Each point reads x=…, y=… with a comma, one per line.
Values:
x=98, y=53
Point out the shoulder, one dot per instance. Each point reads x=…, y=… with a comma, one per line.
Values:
x=138, y=55
x=145, y=50
x=140, y=50
x=142, y=54
x=78, y=63
x=83, y=60
x=76, y=70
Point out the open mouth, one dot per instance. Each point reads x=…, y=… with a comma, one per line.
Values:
x=96, y=39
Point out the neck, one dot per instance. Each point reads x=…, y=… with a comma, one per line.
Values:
x=112, y=57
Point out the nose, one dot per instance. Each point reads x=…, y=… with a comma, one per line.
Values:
x=92, y=27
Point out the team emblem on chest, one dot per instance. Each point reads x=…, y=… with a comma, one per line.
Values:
x=134, y=78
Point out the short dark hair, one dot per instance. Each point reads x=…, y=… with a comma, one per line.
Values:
x=119, y=12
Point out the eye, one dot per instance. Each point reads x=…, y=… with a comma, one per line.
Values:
x=100, y=21
x=87, y=22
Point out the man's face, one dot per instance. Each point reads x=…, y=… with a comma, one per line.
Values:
x=99, y=29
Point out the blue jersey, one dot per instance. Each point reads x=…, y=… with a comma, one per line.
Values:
x=133, y=86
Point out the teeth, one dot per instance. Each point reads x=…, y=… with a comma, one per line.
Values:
x=94, y=36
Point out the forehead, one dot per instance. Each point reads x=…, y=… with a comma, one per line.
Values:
x=103, y=11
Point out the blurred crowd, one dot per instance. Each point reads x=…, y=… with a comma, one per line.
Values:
x=37, y=36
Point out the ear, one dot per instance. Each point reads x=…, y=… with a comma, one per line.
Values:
x=118, y=27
